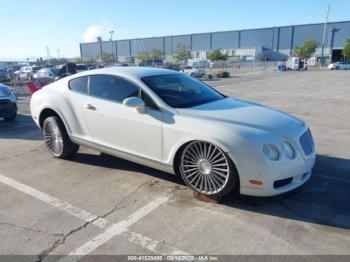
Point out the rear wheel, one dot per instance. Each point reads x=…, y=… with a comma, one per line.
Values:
x=57, y=139
x=207, y=169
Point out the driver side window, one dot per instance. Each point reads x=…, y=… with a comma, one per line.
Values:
x=148, y=100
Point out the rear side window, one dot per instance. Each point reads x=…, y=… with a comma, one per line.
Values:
x=79, y=85
x=112, y=88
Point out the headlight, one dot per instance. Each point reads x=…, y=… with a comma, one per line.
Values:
x=271, y=152
x=288, y=150
x=5, y=91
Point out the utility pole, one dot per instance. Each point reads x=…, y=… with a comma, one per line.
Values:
x=48, y=54
x=324, y=34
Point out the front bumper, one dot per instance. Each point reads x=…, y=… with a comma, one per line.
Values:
x=7, y=108
x=280, y=179
x=262, y=177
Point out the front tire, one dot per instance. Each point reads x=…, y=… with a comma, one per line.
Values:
x=57, y=139
x=207, y=169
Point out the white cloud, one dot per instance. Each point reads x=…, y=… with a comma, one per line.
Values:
x=92, y=32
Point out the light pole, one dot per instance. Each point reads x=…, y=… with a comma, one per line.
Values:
x=111, y=33
x=324, y=34
x=111, y=39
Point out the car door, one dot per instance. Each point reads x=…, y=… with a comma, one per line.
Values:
x=78, y=93
x=116, y=126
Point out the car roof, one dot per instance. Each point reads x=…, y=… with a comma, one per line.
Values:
x=129, y=72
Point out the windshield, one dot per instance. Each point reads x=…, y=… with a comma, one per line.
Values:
x=180, y=91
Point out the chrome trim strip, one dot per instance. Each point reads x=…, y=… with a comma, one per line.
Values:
x=124, y=155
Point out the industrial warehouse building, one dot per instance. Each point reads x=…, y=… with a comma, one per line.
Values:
x=274, y=44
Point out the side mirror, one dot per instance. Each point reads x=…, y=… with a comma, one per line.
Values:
x=135, y=102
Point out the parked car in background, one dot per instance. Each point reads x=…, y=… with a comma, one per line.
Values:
x=200, y=64
x=339, y=66
x=172, y=122
x=81, y=67
x=66, y=69
x=27, y=72
x=52, y=74
x=192, y=71
x=91, y=66
x=119, y=64
x=47, y=75
x=12, y=69
x=36, y=69
x=4, y=75
x=172, y=66
x=8, y=103
x=152, y=63
x=24, y=73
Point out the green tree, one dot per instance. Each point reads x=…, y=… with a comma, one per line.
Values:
x=346, y=50
x=298, y=51
x=307, y=50
x=183, y=54
x=84, y=60
x=90, y=60
x=156, y=54
x=77, y=60
x=143, y=56
x=217, y=55
x=107, y=58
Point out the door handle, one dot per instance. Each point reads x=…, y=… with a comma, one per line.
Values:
x=90, y=107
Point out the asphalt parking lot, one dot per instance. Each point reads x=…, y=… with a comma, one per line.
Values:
x=98, y=204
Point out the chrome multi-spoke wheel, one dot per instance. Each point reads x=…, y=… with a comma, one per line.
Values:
x=205, y=167
x=57, y=139
x=53, y=138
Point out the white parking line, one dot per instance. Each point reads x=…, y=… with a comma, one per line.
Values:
x=112, y=230
x=152, y=245
x=52, y=201
x=115, y=230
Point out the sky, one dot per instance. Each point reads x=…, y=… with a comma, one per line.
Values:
x=29, y=28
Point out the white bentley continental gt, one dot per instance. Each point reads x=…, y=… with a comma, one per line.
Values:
x=172, y=122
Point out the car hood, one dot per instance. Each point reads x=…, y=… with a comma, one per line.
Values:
x=248, y=114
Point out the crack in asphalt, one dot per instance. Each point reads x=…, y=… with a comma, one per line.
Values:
x=63, y=237
x=117, y=205
x=62, y=240
x=31, y=229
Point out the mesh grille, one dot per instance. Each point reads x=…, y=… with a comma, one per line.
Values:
x=307, y=143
